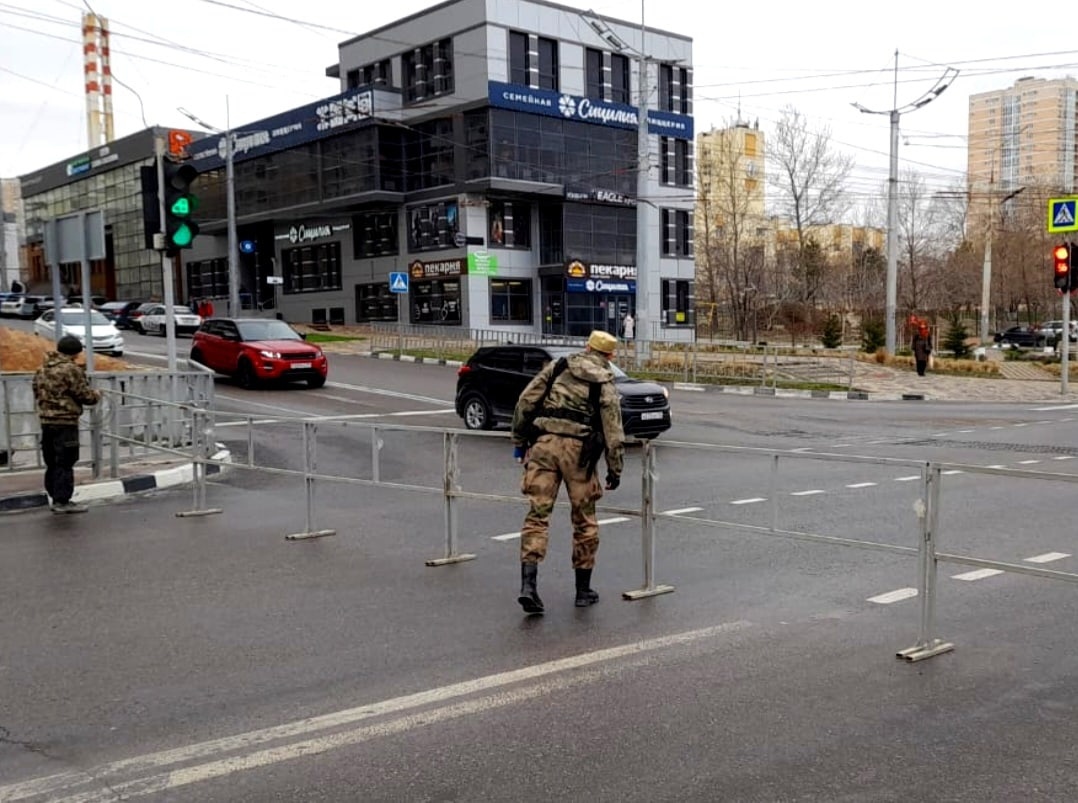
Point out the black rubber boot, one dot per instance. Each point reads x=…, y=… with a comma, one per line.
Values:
x=529, y=596
x=585, y=595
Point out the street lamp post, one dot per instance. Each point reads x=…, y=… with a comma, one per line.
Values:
x=230, y=202
x=895, y=114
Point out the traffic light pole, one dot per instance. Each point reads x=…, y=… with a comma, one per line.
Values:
x=1066, y=337
x=166, y=261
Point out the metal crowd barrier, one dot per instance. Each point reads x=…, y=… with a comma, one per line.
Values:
x=925, y=533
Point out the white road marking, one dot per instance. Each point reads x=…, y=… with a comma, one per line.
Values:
x=353, y=417
x=807, y=493
x=1028, y=462
x=995, y=427
x=998, y=465
x=1054, y=408
x=146, y=774
x=893, y=596
x=1045, y=422
x=1021, y=424
x=801, y=449
x=910, y=478
x=1048, y=557
x=1064, y=457
x=516, y=535
x=951, y=472
x=841, y=446
x=393, y=393
x=963, y=431
x=861, y=485
x=679, y=511
x=977, y=574
x=751, y=500
x=940, y=434
x=876, y=443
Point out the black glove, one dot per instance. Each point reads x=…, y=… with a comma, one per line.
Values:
x=612, y=481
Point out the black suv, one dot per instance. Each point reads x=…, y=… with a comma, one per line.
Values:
x=489, y=384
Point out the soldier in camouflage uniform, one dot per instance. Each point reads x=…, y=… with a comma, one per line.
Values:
x=60, y=390
x=563, y=423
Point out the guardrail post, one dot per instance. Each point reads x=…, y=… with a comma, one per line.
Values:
x=114, y=429
x=376, y=450
x=773, y=492
x=450, y=487
x=96, y=452
x=647, y=526
x=201, y=451
x=927, y=645
x=310, y=464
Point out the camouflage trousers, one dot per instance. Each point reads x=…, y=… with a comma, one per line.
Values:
x=553, y=460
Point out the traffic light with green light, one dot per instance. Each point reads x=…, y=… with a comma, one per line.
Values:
x=1061, y=267
x=180, y=205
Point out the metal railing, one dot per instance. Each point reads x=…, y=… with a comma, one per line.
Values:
x=924, y=529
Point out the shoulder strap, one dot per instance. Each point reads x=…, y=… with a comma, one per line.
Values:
x=559, y=366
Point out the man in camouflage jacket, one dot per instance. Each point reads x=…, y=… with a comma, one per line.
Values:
x=60, y=390
x=564, y=422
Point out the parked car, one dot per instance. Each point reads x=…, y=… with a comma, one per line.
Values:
x=152, y=322
x=11, y=305
x=257, y=350
x=1022, y=337
x=1053, y=331
x=134, y=317
x=33, y=306
x=121, y=315
x=491, y=381
x=105, y=336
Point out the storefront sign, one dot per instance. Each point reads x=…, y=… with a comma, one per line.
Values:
x=288, y=129
x=307, y=232
x=587, y=110
x=576, y=269
x=600, y=286
x=482, y=263
x=600, y=197
x=428, y=270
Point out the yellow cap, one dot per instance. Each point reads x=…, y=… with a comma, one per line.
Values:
x=602, y=341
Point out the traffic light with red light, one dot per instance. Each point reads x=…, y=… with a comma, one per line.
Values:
x=1061, y=267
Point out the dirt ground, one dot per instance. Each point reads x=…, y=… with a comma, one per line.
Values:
x=21, y=352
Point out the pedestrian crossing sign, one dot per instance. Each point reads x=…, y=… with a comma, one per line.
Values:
x=398, y=282
x=1061, y=214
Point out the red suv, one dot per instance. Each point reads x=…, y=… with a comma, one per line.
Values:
x=256, y=350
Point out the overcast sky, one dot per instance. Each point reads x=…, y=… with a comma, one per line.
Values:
x=818, y=57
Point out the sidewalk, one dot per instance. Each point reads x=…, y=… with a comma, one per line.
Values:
x=23, y=489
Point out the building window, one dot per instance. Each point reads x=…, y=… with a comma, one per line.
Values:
x=378, y=74
x=677, y=302
x=674, y=90
x=602, y=234
x=374, y=302
x=518, y=59
x=429, y=153
x=312, y=268
x=207, y=279
x=676, y=161
x=619, y=79
x=374, y=234
x=595, y=85
x=511, y=300
x=477, y=143
x=432, y=226
x=548, y=64
x=677, y=233
x=436, y=301
x=533, y=61
x=428, y=71
x=510, y=224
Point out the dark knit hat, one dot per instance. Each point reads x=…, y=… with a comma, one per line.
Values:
x=69, y=345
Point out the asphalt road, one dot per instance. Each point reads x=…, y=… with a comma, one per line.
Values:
x=146, y=656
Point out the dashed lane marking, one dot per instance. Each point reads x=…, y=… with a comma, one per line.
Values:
x=977, y=574
x=1064, y=457
x=963, y=431
x=1028, y=462
x=680, y=511
x=513, y=536
x=998, y=465
x=751, y=500
x=951, y=472
x=910, y=478
x=813, y=492
x=1048, y=557
x=897, y=595
x=861, y=485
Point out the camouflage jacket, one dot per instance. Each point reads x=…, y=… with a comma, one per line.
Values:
x=61, y=389
x=570, y=391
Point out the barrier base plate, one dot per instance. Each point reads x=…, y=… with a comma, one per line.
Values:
x=644, y=593
x=305, y=536
x=919, y=652
x=452, y=559
x=190, y=513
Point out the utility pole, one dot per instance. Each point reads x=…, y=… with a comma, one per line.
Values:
x=230, y=204
x=166, y=261
x=895, y=114
x=3, y=243
x=647, y=324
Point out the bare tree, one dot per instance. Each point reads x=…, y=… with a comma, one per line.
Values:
x=810, y=178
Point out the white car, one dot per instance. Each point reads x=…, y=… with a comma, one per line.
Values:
x=106, y=337
x=153, y=320
x=11, y=306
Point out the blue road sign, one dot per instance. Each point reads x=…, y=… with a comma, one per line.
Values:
x=1061, y=214
x=247, y=246
x=398, y=282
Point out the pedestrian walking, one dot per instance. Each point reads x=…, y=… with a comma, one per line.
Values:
x=922, y=348
x=628, y=326
x=568, y=417
x=60, y=391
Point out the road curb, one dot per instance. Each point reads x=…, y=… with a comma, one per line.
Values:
x=113, y=489
x=747, y=390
